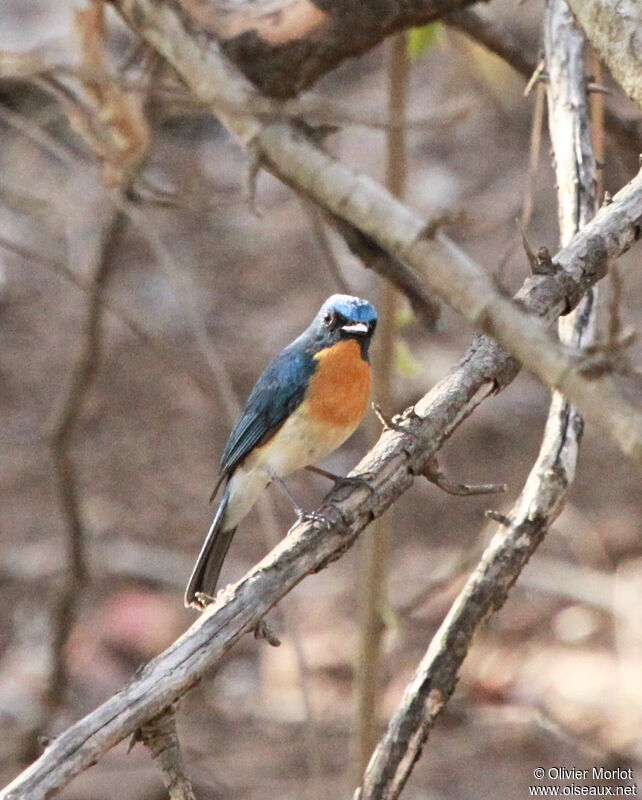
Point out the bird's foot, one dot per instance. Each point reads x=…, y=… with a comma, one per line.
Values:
x=345, y=480
x=356, y=481
x=310, y=516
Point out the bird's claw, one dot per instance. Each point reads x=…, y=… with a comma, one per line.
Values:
x=356, y=481
x=312, y=516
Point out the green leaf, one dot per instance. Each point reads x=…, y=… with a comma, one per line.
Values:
x=404, y=316
x=405, y=363
x=388, y=617
x=420, y=40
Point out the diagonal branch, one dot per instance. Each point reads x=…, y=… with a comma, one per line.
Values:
x=463, y=284
x=546, y=489
x=400, y=454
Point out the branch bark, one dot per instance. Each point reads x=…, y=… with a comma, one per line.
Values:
x=298, y=161
x=614, y=28
x=160, y=737
x=546, y=488
x=283, y=46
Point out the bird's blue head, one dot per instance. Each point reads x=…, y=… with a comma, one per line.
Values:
x=344, y=317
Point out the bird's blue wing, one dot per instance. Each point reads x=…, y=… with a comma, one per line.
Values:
x=277, y=393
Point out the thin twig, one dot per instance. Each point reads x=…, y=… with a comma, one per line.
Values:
x=435, y=474
x=374, y=592
x=63, y=425
x=324, y=245
x=160, y=737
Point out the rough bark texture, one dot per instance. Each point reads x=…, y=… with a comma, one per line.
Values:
x=160, y=737
x=297, y=160
x=546, y=488
x=614, y=28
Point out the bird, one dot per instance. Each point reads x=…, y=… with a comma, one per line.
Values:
x=308, y=400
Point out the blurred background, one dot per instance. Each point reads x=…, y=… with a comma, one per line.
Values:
x=199, y=293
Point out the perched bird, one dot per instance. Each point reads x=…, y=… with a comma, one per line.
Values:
x=306, y=403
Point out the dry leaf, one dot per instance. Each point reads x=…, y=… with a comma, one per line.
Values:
x=114, y=125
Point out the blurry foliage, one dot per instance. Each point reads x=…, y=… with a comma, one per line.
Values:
x=422, y=39
x=405, y=363
x=114, y=124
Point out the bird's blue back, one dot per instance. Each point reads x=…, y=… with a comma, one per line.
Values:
x=278, y=392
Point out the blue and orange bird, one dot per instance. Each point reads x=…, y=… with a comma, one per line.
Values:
x=306, y=403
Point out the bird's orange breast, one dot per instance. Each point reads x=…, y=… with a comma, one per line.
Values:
x=339, y=389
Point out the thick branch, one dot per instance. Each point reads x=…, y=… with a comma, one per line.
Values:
x=614, y=28
x=546, y=489
x=294, y=158
x=283, y=46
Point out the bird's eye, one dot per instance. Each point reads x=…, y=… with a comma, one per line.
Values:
x=327, y=319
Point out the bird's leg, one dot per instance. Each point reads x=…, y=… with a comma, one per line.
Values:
x=344, y=480
x=302, y=515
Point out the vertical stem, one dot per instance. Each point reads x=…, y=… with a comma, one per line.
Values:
x=597, y=123
x=533, y=156
x=65, y=421
x=374, y=596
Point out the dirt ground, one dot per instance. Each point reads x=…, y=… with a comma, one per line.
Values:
x=555, y=679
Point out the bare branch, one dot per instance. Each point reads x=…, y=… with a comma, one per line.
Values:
x=293, y=157
x=500, y=41
x=63, y=425
x=159, y=735
x=614, y=28
x=435, y=474
x=324, y=245
x=283, y=46
x=545, y=492
x=508, y=47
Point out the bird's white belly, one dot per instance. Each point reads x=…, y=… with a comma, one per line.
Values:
x=300, y=441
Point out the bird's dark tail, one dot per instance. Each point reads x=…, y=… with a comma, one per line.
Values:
x=210, y=559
